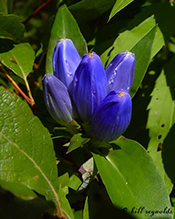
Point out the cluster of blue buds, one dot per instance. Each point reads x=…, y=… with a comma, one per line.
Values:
x=82, y=88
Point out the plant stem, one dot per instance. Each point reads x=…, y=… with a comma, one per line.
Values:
x=36, y=11
x=29, y=100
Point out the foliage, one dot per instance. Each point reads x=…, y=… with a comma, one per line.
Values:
x=50, y=171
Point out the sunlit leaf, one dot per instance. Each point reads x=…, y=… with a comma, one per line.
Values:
x=20, y=59
x=64, y=26
x=139, y=41
x=27, y=154
x=119, y=5
x=129, y=175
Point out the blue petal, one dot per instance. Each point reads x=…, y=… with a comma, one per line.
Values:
x=89, y=85
x=112, y=116
x=120, y=71
x=65, y=61
x=57, y=99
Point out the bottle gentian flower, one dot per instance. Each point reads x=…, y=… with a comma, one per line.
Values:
x=120, y=71
x=65, y=61
x=89, y=86
x=100, y=97
x=57, y=99
x=113, y=116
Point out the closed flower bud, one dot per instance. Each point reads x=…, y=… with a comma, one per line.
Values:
x=120, y=72
x=89, y=85
x=65, y=61
x=57, y=99
x=112, y=117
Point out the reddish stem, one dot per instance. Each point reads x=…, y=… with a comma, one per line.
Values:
x=31, y=102
x=37, y=11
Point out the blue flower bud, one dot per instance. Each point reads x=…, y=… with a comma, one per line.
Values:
x=120, y=71
x=57, y=99
x=89, y=85
x=65, y=61
x=113, y=116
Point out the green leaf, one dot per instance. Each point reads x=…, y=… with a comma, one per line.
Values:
x=88, y=10
x=99, y=205
x=18, y=189
x=11, y=27
x=86, y=210
x=139, y=40
x=74, y=182
x=64, y=26
x=20, y=59
x=132, y=179
x=142, y=51
x=159, y=122
x=119, y=5
x=27, y=155
x=76, y=141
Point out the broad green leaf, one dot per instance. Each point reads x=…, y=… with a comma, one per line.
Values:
x=11, y=27
x=128, y=39
x=142, y=51
x=159, y=38
x=18, y=189
x=132, y=179
x=20, y=59
x=159, y=122
x=139, y=40
x=64, y=26
x=119, y=5
x=27, y=155
x=88, y=10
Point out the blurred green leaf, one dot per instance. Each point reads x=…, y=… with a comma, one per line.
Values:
x=131, y=178
x=11, y=27
x=78, y=214
x=18, y=189
x=119, y=5
x=88, y=10
x=27, y=154
x=6, y=6
x=64, y=26
x=20, y=59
